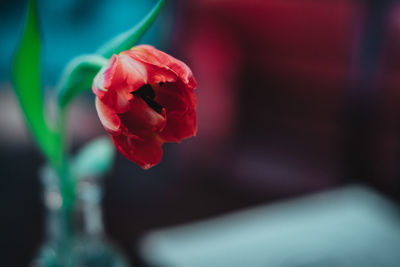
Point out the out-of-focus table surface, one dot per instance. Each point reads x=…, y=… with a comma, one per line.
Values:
x=352, y=226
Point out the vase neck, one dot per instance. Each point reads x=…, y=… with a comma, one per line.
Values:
x=84, y=220
x=89, y=200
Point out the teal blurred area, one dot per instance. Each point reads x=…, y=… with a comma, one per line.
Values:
x=71, y=28
x=348, y=227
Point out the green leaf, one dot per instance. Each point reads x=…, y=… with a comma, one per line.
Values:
x=78, y=77
x=94, y=159
x=26, y=82
x=126, y=40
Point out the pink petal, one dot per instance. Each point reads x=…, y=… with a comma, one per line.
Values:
x=150, y=55
x=108, y=118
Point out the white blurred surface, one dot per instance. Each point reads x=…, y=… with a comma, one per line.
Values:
x=353, y=226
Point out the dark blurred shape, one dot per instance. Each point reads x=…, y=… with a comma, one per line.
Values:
x=364, y=97
x=285, y=69
x=20, y=210
x=291, y=93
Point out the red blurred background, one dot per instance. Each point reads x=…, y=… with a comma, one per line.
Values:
x=296, y=96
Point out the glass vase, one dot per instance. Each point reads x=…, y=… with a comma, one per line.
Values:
x=75, y=237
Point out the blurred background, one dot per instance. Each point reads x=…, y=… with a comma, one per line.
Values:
x=295, y=98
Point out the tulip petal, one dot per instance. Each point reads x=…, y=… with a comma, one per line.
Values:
x=180, y=127
x=144, y=99
x=115, y=82
x=110, y=120
x=150, y=55
x=133, y=72
x=104, y=77
x=180, y=105
x=146, y=153
x=142, y=119
x=105, y=83
x=175, y=97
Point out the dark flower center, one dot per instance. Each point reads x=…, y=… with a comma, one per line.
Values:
x=146, y=92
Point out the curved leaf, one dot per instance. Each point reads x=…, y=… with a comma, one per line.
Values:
x=126, y=40
x=95, y=158
x=26, y=83
x=80, y=72
x=78, y=77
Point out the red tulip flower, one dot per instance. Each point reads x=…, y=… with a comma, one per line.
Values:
x=144, y=98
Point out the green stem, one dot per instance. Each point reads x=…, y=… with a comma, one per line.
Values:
x=67, y=180
x=67, y=185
